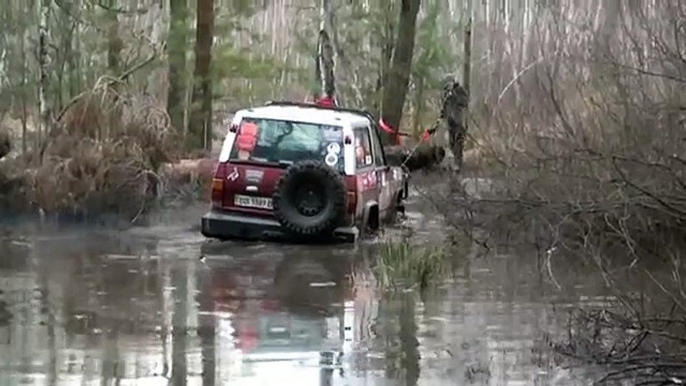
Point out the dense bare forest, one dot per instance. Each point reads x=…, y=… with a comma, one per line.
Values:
x=576, y=119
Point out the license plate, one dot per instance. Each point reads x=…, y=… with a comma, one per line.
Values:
x=253, y=202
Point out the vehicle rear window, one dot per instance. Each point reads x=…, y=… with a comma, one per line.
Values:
x=278, y=141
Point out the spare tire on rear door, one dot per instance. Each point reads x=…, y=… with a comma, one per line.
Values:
x=310, y=199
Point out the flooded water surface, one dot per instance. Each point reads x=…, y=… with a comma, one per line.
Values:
x=161, y=306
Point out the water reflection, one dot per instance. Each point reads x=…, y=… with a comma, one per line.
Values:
x=285, y=311
x=88, y=309
x=180, y=327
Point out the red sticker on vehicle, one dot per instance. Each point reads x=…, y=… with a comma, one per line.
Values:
x=368, y=180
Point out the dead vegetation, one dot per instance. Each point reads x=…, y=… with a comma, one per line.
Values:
x=587, y=144
x=189, y=180
x=594, y=148
x=642, y=352
x=101, y=156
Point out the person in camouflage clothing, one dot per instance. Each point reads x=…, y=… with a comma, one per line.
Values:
x=454, y=103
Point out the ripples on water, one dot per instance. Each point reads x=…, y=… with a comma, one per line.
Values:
x=93, y=308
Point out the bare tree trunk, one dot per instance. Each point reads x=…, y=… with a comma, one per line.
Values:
x=114, y=42
x=59, y=69
x=114, y=48
x=24, y=109
x=75, y=74
x=44, y=121
x=156, y=26
x=467, y=66
x=607, y=31
x=457, y=100
x=200, y=122
x=419, y=104
x=325, y=65
x=325, y=52
x=176, y=49
x=344, y=70
x=386, y=44
x=395, y=90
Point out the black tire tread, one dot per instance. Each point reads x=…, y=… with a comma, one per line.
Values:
x=329, y=223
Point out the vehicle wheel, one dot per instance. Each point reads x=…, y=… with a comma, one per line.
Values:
x=310, y=199
x=394, y=213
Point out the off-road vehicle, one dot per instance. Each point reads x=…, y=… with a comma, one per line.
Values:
x=301, y=171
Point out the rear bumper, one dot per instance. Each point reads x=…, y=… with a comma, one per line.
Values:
x=222, y=225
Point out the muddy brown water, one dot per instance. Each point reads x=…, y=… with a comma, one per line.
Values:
x=161, y=305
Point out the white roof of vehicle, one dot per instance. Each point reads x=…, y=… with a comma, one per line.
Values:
x=305, y=114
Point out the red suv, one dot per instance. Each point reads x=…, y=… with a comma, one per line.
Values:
x=301, y=171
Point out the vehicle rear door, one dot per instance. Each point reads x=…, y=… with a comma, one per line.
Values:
x=262, y=151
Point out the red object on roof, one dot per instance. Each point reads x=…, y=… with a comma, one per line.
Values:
x=426, y=137
x=326, y=101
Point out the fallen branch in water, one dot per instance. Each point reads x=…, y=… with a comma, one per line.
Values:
x=631, y=350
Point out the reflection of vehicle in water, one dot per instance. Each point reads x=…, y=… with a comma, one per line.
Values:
x=292, y=315
x=119, y=314
x=278, y=335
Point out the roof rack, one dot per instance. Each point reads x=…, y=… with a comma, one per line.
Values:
x=364, y=113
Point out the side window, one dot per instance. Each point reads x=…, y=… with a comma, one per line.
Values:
x=363, y=147
x=379, y=159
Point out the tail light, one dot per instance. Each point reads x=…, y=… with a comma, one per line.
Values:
x=217, y=192
x=218, y=185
